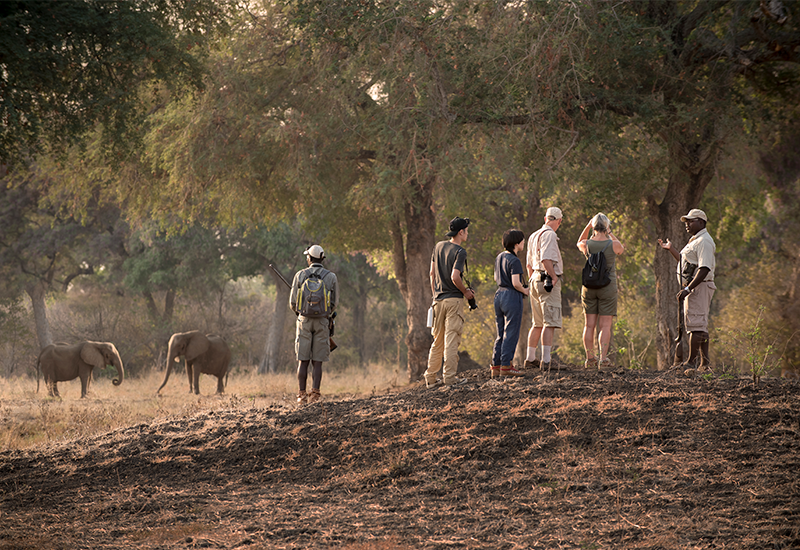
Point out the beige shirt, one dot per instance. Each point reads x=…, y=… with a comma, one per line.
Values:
x=700, y=251
x=543, y=245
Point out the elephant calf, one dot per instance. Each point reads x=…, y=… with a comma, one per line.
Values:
x=206, y=354
x=62, y=362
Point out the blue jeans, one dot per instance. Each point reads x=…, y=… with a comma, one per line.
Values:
x=508, y=316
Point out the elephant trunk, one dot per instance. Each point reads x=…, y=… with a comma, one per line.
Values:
x=171, y=356
x=120, y=371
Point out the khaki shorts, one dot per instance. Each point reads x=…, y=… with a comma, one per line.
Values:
x=696, y=307
x=311, y=342
x=600, y=301
x=545, y=306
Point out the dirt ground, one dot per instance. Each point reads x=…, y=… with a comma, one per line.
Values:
x=578, y=460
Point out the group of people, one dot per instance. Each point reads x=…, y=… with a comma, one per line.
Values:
x=540, y=280
x=544, y=268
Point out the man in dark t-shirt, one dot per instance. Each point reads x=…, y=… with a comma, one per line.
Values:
x=448, y=263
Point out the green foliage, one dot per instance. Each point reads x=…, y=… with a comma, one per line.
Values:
x=70, y=65
x=759, y=353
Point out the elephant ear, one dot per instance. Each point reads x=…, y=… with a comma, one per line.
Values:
x=198, y=345
x=92, y=356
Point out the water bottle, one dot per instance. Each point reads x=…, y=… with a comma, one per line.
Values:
x=430, y=317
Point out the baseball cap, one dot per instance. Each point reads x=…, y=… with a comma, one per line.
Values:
x=456, y=225
x=695, y=214
x=554, y=212
x=315, y=251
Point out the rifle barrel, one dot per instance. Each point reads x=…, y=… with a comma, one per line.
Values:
x=280, y=275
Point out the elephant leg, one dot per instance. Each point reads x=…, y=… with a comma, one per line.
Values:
x=189, y=375
x=54, y=389
x=197, y=380
x=220, y=383
x=84, y=385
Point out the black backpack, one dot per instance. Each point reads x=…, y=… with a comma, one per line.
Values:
x=595, y=272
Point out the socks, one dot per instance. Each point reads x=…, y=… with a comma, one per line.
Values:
x=546, y=354
x=533, y=354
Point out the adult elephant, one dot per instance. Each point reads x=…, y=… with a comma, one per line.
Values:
x=62, y=362
x=205, y=354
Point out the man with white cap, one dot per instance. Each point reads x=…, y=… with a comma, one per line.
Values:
x=545, y=268
x=314, y=305
x=696, y=264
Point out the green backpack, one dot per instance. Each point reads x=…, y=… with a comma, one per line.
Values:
x=313, y=298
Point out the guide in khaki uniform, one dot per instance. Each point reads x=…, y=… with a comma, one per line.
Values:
x=314, y=318
x=696, y=264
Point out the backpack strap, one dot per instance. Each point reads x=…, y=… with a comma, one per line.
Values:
x=603, y=250
x=537, y=255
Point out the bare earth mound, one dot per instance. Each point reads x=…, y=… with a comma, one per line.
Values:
x=582, y=460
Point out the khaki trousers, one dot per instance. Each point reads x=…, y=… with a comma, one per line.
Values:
x=448, y=322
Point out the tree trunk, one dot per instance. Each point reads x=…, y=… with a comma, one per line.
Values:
x=359, y=311
x=275, y=332
x=169, y=307
x=412, y=267
x=530, y=218
x=687, y=183
x=36, y=293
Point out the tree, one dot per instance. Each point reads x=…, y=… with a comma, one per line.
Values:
x=352, y=112
x=67, y=66
x=43, y=248
x=687, y=75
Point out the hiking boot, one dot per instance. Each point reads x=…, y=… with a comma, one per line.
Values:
x=314, y=396
x=433, y=384
x=605, y=365
x=532, y=364
x=511, y=370
x=495, y=371
x=591, y=363
x=302, y=398
x=545, y=366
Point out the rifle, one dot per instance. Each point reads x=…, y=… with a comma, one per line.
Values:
x=333, y=344
x=679, y=337
x=687, y=274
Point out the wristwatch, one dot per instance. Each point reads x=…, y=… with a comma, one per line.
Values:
x=687, y=289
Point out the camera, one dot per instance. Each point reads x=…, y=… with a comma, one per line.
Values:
x=548, y=283
x=472, y=303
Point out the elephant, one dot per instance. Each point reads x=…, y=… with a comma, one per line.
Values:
x=61, y=362
x=204, y=353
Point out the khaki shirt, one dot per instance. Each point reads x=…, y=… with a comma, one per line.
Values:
x=700, y=251
x=543, y=245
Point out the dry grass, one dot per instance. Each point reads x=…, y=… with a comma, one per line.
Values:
x=31, y=419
